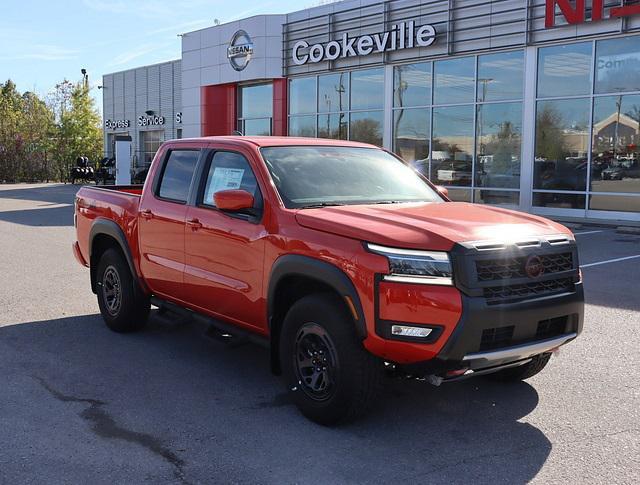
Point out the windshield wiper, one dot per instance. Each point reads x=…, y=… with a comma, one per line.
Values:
x=321, y=204
x=390, y=202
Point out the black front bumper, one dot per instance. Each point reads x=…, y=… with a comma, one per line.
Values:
x=469, y=348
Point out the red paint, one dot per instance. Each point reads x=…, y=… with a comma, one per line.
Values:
x=280, y=108
x=219, y=265
x=233, y=200
x=218, y=109
x=574, y=11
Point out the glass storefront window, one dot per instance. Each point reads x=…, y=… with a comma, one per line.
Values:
x=333, y=92
x=302, y=95
x=497, y=197
x=604, y=202
x=150, y=143
x=255, y=101
x=615, y=158
x=412, y=85
x=334, y=126
x=256, y=127
x=366, y=127
x=458, y=195
x=302, y=126
x=453, y=138
x=500, y=76
x=411, y=140
x=454, y=81
x=562, y=140
x=367, y=89
x=498, y=145
x=618, y=65
x=559, y=200
x=564, y=70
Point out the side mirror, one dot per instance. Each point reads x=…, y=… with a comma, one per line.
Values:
x=233, y=200
x=443, y=190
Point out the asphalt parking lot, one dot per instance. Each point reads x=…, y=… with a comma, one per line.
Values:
x=79, y=404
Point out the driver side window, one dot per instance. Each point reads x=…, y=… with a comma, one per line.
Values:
x=230, y=171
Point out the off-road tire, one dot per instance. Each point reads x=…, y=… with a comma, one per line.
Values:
x=524, y=371
x=355, y=374
x=131, y=311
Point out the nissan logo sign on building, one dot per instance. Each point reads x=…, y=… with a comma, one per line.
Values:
x=240, y=50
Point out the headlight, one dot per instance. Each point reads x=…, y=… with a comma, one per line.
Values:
x=413, y=266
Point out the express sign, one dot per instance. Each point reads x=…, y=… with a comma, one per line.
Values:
x=575, y=11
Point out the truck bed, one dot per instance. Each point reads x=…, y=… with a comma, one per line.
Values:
x=118, y=203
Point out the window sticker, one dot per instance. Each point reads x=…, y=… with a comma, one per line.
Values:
x=223, y=179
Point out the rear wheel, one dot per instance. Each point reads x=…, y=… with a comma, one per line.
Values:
x=331, y=377
x=123, y=306
x=524, y=371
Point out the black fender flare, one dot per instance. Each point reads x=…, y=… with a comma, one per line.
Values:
x=102, y=226
x=323, y=272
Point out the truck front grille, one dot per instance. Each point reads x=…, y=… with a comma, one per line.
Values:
x=514, y=267
x=502, y=337
x=495, y=338
x=512, y=293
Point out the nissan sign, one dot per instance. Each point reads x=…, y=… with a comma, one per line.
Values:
x=240, y=50
x=401, y=36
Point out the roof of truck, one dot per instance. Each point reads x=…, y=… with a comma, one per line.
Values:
x=264, y=141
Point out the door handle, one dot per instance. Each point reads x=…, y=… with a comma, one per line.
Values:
x=194, y=224
x=146, y=214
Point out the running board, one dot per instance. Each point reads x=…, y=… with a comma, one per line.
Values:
x=222, y=328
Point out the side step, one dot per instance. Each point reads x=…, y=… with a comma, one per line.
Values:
x=217, y=329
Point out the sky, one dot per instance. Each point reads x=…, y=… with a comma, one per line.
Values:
x=43, y=42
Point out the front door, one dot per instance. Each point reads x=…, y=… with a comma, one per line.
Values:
x=163, y=210
x=225, y=251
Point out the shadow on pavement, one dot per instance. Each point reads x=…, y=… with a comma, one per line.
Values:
x=42, y=213
x=53, y=193
x=51, y=217
x=210, y=409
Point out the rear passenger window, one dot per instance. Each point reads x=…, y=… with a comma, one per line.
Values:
x=177, y=175
x=229, y=171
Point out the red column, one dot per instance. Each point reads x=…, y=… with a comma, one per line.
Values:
x=218, y=108
x=280, y=109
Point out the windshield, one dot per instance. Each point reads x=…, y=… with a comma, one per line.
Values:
x=312, y=176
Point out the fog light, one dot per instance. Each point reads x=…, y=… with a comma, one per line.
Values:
x=406, y=331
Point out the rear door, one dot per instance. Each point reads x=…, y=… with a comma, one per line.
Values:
x=225, y=251
x=163, y=210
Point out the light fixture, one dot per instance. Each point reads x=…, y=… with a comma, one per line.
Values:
x=409, y=331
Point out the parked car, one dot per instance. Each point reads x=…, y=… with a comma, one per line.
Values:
x=339, y=257
x=454, y=172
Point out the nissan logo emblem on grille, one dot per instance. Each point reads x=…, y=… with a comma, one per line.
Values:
x=534, y=267
x=240, y=50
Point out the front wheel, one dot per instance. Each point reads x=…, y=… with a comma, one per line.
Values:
x=123, y=306
x=524, y=371
x=331, y=377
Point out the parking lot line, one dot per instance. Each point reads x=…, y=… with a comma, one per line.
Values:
x=609, y=261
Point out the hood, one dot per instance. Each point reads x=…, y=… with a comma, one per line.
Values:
x=435, y=226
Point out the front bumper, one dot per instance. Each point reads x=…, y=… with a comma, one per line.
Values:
x=525, y=329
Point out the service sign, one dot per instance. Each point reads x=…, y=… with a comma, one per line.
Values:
x=405, y=35
x=151, y=120
x=116, y=124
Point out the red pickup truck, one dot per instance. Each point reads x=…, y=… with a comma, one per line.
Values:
x=345, y=261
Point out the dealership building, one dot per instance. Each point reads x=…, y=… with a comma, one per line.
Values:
x=526, y=104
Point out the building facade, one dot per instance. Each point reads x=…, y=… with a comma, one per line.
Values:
x=526, y=104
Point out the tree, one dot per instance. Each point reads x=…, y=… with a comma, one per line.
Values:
x=78, y=125
x=25, y=122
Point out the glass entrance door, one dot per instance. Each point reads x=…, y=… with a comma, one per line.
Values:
x=255, y=109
